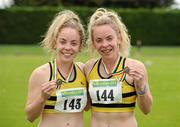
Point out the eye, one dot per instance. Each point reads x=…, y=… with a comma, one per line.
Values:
x=74, y=43
x=109, y=38
x=62, y=41
x=98, y=40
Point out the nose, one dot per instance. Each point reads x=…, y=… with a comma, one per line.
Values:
x=105, y=43
x=67, y=46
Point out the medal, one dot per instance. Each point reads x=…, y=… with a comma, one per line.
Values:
x=126, y=70
x=59, y=82
x=123, y=72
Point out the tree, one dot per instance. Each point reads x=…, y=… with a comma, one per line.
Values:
x=106, y=3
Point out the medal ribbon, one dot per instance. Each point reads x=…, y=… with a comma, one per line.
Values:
x=67, y=79
x=69, y=73
x=113, y=73
x=55, y=69
x=106, y=70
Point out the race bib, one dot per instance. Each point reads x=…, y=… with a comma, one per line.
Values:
x=71, y=100
x=105, y=91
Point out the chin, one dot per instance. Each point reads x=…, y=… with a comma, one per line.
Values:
x=67, y=59
x=109, y=56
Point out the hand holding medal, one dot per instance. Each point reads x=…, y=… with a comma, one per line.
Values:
x=59, y=82
x=139, y=75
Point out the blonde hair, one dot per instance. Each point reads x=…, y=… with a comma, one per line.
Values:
x=102, y=17
x=63, y=19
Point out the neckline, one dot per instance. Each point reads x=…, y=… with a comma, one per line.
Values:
x=114, y=67
x=114, y=70
x=66, y=79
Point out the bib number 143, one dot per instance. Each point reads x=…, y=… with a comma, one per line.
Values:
x=72, y=104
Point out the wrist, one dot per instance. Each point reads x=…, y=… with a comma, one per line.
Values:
x=42, y=99
x=141, y=90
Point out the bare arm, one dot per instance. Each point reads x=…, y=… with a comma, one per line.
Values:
x=87, y=68
x=38, y=92
x=139, y=74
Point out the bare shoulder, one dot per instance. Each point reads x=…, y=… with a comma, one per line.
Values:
x=40, y=74
x=80, y=65
x=134, y=62
x=41, y=70
x=89, y=65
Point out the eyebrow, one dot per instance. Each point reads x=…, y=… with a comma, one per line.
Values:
x=74, y=40
x=62, y=39
x=109, y=36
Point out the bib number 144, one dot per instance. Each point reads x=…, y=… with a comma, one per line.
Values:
x=105, y=95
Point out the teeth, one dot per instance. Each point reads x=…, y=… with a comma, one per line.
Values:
x=67, y=54
x=106, y=51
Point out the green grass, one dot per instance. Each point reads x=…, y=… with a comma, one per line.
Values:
x=163, y=65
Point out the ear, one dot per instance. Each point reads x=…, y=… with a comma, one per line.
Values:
x=81, y=47
x=55, y=46
x=93, y=45
x=119, y=37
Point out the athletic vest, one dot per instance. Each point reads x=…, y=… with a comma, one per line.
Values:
x=109, y=94
x=71, y=96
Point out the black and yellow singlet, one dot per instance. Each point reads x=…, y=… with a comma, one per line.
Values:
x=103, y=91
x=71, y=96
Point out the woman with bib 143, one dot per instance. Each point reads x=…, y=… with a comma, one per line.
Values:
x=57, y=90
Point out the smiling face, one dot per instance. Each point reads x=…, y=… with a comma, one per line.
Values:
x=105, y=40
x=68, y=44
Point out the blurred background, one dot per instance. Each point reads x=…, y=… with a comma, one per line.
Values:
x=153, y=22
x=154, y=27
